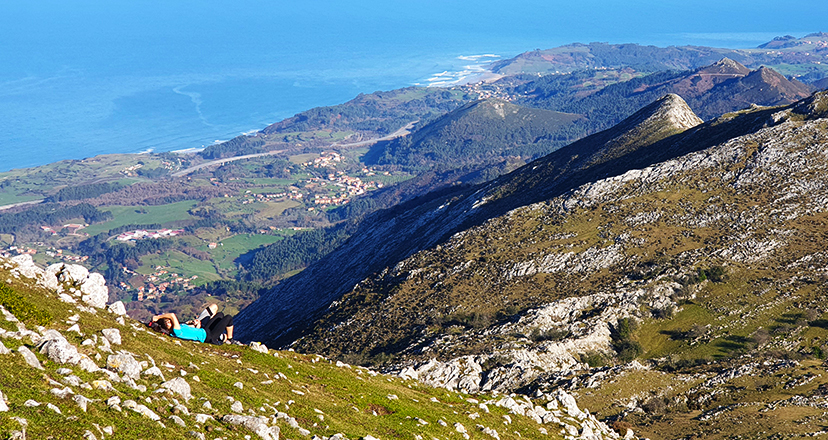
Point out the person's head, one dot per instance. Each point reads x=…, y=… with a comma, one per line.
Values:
x=163, y=325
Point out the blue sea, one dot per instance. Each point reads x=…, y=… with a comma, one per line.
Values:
x=90, y=77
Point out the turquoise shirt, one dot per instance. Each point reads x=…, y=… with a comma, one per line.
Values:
x=190, y=333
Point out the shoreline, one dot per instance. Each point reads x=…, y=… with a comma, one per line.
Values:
x=469, y=74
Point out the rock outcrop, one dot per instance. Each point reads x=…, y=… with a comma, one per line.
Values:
x=72, y=281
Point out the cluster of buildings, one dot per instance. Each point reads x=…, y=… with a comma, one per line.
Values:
x=20, y=250
x=131, y=171
x=58, y=253
x=485, y=90
x=326, y=160
x=50, y=252
x=140, y=234
x=352, y=186
x=270, y=197
x=158, y=283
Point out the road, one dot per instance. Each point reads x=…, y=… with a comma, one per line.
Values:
x=401, y=132
x=33, y=202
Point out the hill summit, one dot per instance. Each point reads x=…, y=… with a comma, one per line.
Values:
x=481, y=132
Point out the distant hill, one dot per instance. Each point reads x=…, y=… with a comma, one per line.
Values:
x=821, y=84
x=711, y=91
x=795, y=56
x=477, y=133
x=368, y=116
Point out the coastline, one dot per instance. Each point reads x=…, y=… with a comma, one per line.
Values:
x=463, y=70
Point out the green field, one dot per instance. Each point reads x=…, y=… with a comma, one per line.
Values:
x=230, y=249
x=7, y=198
x=302, y=158
x=180, y=263
x=128, y=215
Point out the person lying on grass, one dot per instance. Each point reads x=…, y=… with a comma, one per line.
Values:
x=210, y=326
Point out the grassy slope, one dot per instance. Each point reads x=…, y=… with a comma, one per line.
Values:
x=324, y=398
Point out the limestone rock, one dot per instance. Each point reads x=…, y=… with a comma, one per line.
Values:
x=30, y=357
x=94, y=290
x=237, y=407
x=154, y=371
x=91, y=288
x=124, y=363
x=203, y=418
x=25, y=266
x=62, y=393
x=256, y=424
x=4, y=349
x=258, y=346
x=117, y=308
x=82, y=401
x=113, y=335
x=178, y=386
x=141, y=409
x=58, y=349
x=4, y=407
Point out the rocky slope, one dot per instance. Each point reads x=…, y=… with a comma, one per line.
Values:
x=72, y=368
x=391, y=235
x=716, y=255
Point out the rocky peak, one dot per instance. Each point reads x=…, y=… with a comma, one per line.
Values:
x=726, y=66
x=666, y=116
x=672, y=111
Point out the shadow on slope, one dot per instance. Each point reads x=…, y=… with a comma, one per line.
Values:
x=656, y=133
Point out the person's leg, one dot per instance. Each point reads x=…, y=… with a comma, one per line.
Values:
x=208, y=312
x=219, y=325
x=229, y=332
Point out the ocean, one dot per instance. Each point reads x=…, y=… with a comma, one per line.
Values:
x=90, y=77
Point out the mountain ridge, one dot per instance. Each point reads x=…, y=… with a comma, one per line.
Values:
x=425, y=222
x=715, y=255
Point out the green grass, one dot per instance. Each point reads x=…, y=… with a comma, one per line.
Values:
x=345, y=398
x=655, y=336
x=302, y=158
x=180, y=263
x=236, y=245
x=128, y=215
x=8, y=198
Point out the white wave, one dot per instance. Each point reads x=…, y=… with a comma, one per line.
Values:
x=477, y=57
x=188, y=150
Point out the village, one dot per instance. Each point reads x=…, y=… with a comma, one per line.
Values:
x=327, y=181
x=158, y=283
